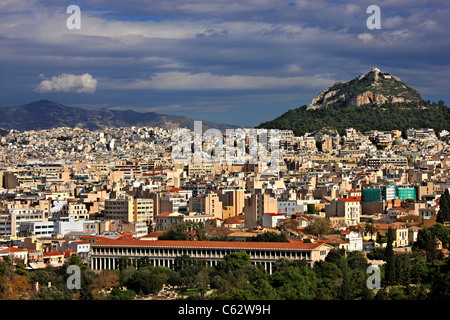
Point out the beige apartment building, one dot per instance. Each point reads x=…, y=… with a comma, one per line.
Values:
x=232, y=201
x=75, y=210
x=208, y=204
x=132, y=210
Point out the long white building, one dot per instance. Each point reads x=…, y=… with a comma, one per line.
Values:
x=105, y=254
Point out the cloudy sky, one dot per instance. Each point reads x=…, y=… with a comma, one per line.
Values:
x=236, y=62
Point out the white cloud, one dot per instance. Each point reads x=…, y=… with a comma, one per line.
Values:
x=69, y=83
x=365, y=37
x=208, y=81
x=352, y=9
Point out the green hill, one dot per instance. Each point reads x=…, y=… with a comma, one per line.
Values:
x=375, y=101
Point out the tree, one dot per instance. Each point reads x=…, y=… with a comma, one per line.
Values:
x=330, y=278
x=389, y=254
x=419, y=270
x=357, y=260
x=188, y=268
x=237, y=260
x=288, y=223
x=441, y=233
x=427, y=239
x=145, y=281
x=106, y=280
x=20, y=269
x=397, y=293
x=440, y=286
x=282, y=264
x=220, y=285
x=444, y=207
x=18, y=286
x=403, y=269
x=377, y=253
x=87, y=280
x=335, y=255
x=218, y=233
x=371, y=228
x=123, y=263
x=125, y=274
x=269, y=237
x=311, y=209
x=201, y=281
x=6, y=267
x=117, y=294
x=186, y=230
x=318, y=225
x=262, y=289
x=295, y=283
x=346, y=288
x=143, y=262
x=75, y=260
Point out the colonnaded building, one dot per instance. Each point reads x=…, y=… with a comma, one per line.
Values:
x=105, y=254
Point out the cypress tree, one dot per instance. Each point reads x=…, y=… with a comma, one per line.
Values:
x=390, y=258
x=444, y=207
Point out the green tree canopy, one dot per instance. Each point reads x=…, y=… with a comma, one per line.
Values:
x=444, y=207
x=318, y=225
x=269, y=237
x=186, y=230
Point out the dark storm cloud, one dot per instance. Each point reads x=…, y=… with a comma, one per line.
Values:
x=215, y=59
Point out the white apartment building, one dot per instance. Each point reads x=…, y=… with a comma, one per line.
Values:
x=290, y=207
x=38, y=229
x=272, y=219
x=354, y=239
x=17, y=216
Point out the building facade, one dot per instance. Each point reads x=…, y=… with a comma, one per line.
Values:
x=132, y=210
x=105, y=254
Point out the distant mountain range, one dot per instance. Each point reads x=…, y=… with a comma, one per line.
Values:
x=374, y=101
x=45, y=114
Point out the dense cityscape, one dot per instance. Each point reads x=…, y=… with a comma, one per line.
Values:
x=140, y=226
x=222, y=158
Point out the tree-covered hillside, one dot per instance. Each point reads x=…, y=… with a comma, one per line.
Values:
x=367, y=117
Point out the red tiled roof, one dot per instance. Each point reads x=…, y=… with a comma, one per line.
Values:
x=273, y=214
x=124, y=236
x=351, y=199
x=69, y=252
x=210, y=244
x=176, y=190
x=153, y=234
x=13, y=249
x=233, y=220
